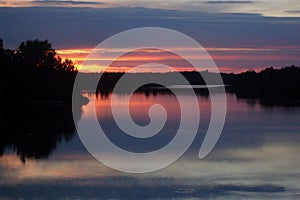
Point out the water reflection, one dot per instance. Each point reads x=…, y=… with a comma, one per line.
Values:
x=34, y=130
x=256, y=157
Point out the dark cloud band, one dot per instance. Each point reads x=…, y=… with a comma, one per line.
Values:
x=50, y=2
x=293, y=11
x=229, y=2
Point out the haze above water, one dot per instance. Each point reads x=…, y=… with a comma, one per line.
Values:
x=257, y=156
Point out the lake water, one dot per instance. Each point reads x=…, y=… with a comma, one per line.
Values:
x=256, y=157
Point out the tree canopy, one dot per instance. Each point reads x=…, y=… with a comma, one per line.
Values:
x=36, y=55
x=1, y=45
x=36, y=71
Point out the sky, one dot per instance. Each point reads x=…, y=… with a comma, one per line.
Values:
x=238, y=34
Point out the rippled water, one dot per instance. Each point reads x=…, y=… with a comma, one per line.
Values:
x=257, y=156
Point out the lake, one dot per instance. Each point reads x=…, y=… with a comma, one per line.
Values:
x=256, y=157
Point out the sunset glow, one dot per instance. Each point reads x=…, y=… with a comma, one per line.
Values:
x=227, y=59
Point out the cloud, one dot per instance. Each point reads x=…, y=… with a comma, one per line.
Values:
x=229, y=2
x=69, y=28
x=54, y=2
x=293, y=11
x=3, y=2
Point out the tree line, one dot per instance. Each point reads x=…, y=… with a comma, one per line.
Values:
x=35, y=71
x=268, y=83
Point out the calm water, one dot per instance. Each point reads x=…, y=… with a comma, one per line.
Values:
x=256, y=157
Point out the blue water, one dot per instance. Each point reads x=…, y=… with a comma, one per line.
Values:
x=257, y=157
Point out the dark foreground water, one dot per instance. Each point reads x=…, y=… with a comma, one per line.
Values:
x=257, y=156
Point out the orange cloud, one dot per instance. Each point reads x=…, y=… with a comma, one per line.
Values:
x=96, y=62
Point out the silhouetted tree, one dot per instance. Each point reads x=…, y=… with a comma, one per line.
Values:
x=2, y=55
x=38, y=54
x=1, y=45
x=67, y=65
x=36, y=72
x=1, y=52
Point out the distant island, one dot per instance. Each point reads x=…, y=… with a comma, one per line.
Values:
x=270, y=83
